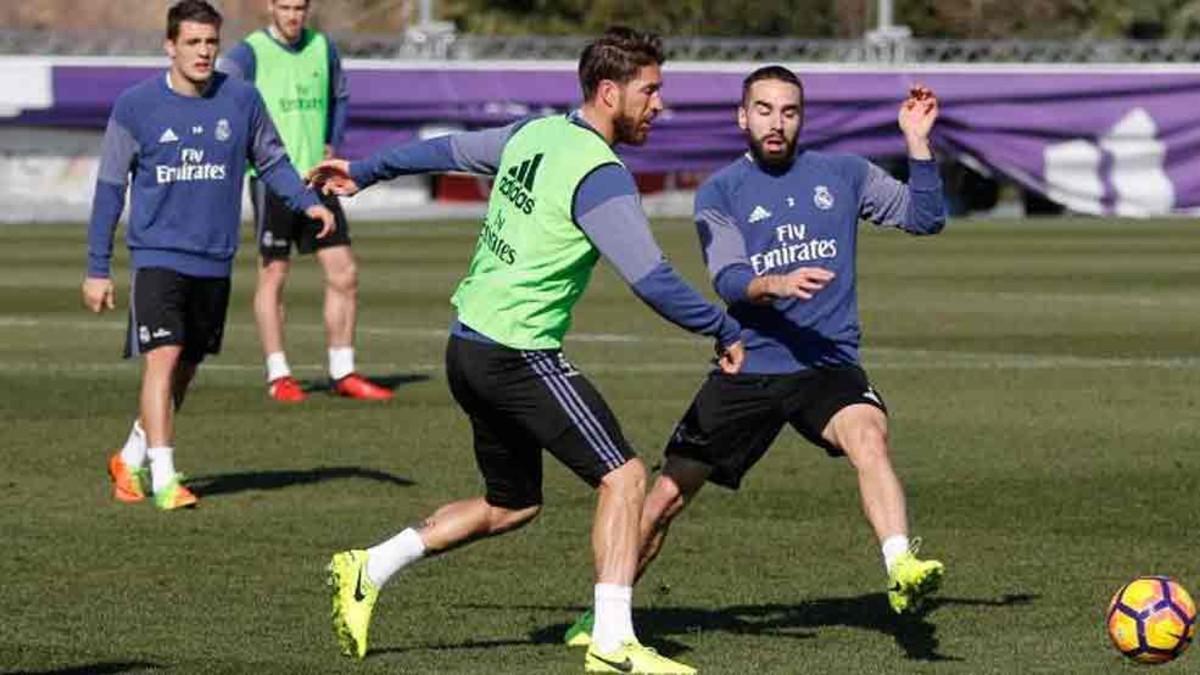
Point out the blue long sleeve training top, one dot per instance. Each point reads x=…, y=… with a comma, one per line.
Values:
x=753, y=222
x=183, y=158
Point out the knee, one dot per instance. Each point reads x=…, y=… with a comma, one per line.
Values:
x=272, y=275
x=869, y=447
x=663, y=503
x=343, y=279
x=628, y=481
x=501, y=519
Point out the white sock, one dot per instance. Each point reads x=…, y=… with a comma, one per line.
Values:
x=162, y=467
x=341, y=362
x=393, y=555
x=893, y=547
x=134, y=452
x=614, y=617
x=277, y=366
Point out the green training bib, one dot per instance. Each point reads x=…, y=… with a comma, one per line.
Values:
x=532, y=262
x=295, y=87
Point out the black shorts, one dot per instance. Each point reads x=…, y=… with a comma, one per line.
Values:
x=520, y=402
x=170, y=308
x=735, y=418
x=277, y=227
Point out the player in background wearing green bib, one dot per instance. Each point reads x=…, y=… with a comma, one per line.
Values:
x=299, y=74
x=561, y=201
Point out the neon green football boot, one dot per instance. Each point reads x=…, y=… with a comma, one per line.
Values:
x=633, y=657
x=175, y=496
x=912, y=580
x=354, y=597
x=580, y=632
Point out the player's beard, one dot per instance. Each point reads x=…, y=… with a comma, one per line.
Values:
x=773, y=161
x=627, y=129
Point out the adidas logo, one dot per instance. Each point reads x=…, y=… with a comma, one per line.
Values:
x=759, y=213
x=526, y=173
x=517, y=183
x=168, y=136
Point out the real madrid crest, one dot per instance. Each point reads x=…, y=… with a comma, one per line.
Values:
x=822, y=198
x=222, y=131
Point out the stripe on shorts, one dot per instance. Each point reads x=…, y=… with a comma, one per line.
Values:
x=576, y=409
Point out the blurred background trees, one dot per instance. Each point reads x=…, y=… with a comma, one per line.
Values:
x=962, y=19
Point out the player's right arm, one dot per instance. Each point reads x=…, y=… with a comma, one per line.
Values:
x=476, y=152
x=607, y=209
x=118, y=152
x=724, y=250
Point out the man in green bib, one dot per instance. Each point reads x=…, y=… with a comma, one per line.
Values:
x=561, y=201
x=300, y=76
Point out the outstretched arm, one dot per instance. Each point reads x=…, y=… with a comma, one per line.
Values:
x=475, y=152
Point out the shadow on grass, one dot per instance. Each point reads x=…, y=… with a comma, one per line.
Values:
x=106, y=668
x=458, y=646
x=393, y=381
x=914, y=634
x=232, y=483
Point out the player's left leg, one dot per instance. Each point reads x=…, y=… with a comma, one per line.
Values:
x=860, y=430
x=157, y=404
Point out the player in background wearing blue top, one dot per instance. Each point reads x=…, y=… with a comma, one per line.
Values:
x=185, y=137
x=778, y=232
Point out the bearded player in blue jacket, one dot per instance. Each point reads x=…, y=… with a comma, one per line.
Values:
x=778, y=230
x=184, y=138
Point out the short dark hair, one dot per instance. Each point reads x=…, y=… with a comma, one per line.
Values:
x=770, y=73
x=617, y=55
x=198, y=11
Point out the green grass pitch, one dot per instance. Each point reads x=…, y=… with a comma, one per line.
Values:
x=1043, y=381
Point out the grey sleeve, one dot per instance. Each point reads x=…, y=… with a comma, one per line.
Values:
x=619, y=229
x=479, y=151
x=884, y=200
x=721, y=240
x=117, y=153
x=917, y=208
x=266, y=148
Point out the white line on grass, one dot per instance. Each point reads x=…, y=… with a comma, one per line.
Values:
x=951, y=362
x=879, y=358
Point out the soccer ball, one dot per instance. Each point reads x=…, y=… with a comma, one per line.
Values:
x=1152, y=619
